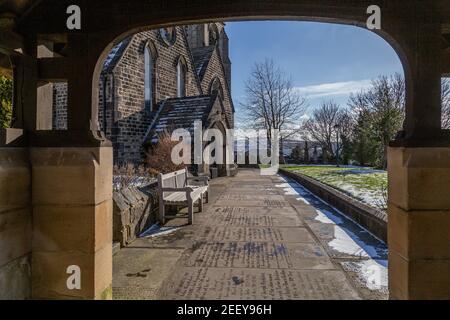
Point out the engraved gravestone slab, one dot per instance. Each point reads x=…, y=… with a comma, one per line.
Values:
x=259, y=255
x=252, y=203
x=249, y=196
x=268, y=186
x=250, y=191
x=286, y=211
x=249, y=182
x=251, y=217
x=262, y=284
x=263, y=234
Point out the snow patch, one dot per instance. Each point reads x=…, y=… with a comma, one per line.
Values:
x=370, y=273
x=343, y=243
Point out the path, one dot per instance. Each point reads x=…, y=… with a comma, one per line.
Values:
x=261, y=237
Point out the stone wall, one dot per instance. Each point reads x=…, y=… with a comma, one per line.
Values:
x=373, y=220
x=215, y=70
x=15, y=224
x=135, y=209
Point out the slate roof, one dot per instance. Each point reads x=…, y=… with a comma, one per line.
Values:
x=201, y=58
x=115, y=54
x=176, y=113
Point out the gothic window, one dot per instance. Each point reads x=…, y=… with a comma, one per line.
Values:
x=168, y=35
x=150, y=75
x=181, y=77
x=216, y=87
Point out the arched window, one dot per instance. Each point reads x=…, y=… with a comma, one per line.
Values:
x=181, y=77
x=216, y=87
x=150, y=56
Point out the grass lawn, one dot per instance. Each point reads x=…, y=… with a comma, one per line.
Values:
x=365, y=184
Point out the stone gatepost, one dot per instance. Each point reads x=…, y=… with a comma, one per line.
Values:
x=419, y=223
x=15, y=223
x=72, y=222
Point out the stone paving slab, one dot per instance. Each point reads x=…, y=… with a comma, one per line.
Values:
x=251, y=217
x=249, y=196
x=139, y=273
x=259, y=255
x=255, y=234
x=252, y=203
x=264, y=284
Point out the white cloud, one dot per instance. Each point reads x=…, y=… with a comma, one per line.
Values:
x=334, y=89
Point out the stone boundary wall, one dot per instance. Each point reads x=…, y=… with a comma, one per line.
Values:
x=371, y=219
x=135, y=209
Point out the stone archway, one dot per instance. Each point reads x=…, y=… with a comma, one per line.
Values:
x=419, y=169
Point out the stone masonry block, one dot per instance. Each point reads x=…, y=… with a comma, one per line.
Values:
x=419, y=234
x=418, y=279
x=15, y=179
x=419, y=178
x=71, y=176
x=83, y=229
x=15, y=235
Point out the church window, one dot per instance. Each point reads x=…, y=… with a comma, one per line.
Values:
x=149, y=76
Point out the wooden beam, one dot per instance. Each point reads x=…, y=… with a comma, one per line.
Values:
x=10, y=42
x=53, y=69
x=445, y=63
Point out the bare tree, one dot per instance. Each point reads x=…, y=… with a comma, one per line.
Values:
x=322, y=126
x=272, y=103
x=445, y=103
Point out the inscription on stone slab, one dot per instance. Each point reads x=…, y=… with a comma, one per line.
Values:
x=251, y=217
x=241, y=197
x=252, y=203
x=236, y=283
x=263, y=234
x=259, y=255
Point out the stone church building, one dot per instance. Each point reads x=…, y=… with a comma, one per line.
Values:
x=157, y=81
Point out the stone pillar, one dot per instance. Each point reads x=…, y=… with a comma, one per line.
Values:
x=419, y=223
x=15, y=224
x=44, y=112
x=72, y=221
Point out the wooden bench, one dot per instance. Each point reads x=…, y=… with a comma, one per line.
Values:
x=179, y=189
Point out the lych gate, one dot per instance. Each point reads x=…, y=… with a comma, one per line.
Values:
x=56, y=186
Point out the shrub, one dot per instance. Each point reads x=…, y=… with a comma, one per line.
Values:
x=159, y=158
x=6, y=91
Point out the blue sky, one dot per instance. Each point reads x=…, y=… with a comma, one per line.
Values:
x=326, y=61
